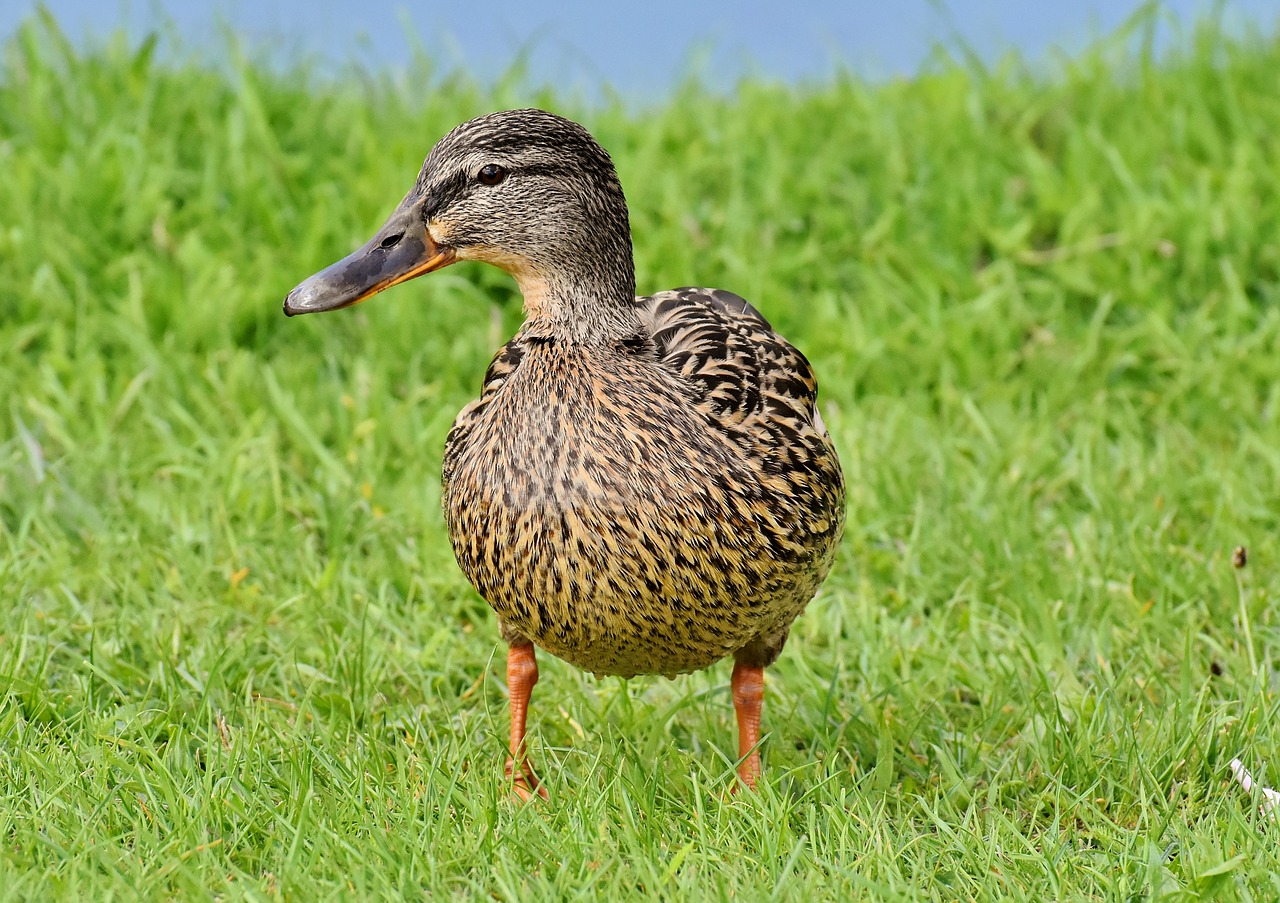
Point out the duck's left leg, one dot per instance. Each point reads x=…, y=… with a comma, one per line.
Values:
x=748, y=700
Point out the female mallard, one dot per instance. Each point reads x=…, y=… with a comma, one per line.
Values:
x=645, y=484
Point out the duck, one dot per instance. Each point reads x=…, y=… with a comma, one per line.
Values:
x=645, y=484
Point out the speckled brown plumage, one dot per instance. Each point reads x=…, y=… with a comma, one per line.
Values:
x=651, y=505
x=644, y=484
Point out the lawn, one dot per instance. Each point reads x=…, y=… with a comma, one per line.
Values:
x=237, y=658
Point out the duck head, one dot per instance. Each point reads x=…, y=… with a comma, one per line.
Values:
x=527, y=191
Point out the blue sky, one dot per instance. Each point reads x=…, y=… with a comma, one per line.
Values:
x=640, y=49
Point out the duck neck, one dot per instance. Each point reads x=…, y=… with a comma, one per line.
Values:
x=593, y=305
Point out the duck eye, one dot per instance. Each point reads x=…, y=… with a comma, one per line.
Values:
x=491, y=174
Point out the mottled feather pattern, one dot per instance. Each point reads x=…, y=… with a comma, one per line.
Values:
x=721, y=343
x=645, y=484
x=653, y=505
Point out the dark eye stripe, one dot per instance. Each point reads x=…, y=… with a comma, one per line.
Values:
x=439, y=194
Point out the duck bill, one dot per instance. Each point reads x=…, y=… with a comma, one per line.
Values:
x=399, y=251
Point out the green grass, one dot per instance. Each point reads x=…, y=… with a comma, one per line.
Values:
x=237, y=659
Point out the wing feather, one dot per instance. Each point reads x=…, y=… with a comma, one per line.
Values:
x=721, y=345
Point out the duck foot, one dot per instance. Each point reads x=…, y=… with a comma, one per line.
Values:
x=524, y=783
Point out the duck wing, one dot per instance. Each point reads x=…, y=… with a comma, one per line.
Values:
x=740, y=369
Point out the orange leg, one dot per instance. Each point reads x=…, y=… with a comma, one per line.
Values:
x=748, y=697
x=522, y=674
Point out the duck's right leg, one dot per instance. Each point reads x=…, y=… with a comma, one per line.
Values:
x=522, y=674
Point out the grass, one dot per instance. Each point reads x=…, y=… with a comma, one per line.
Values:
x=237, y=659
